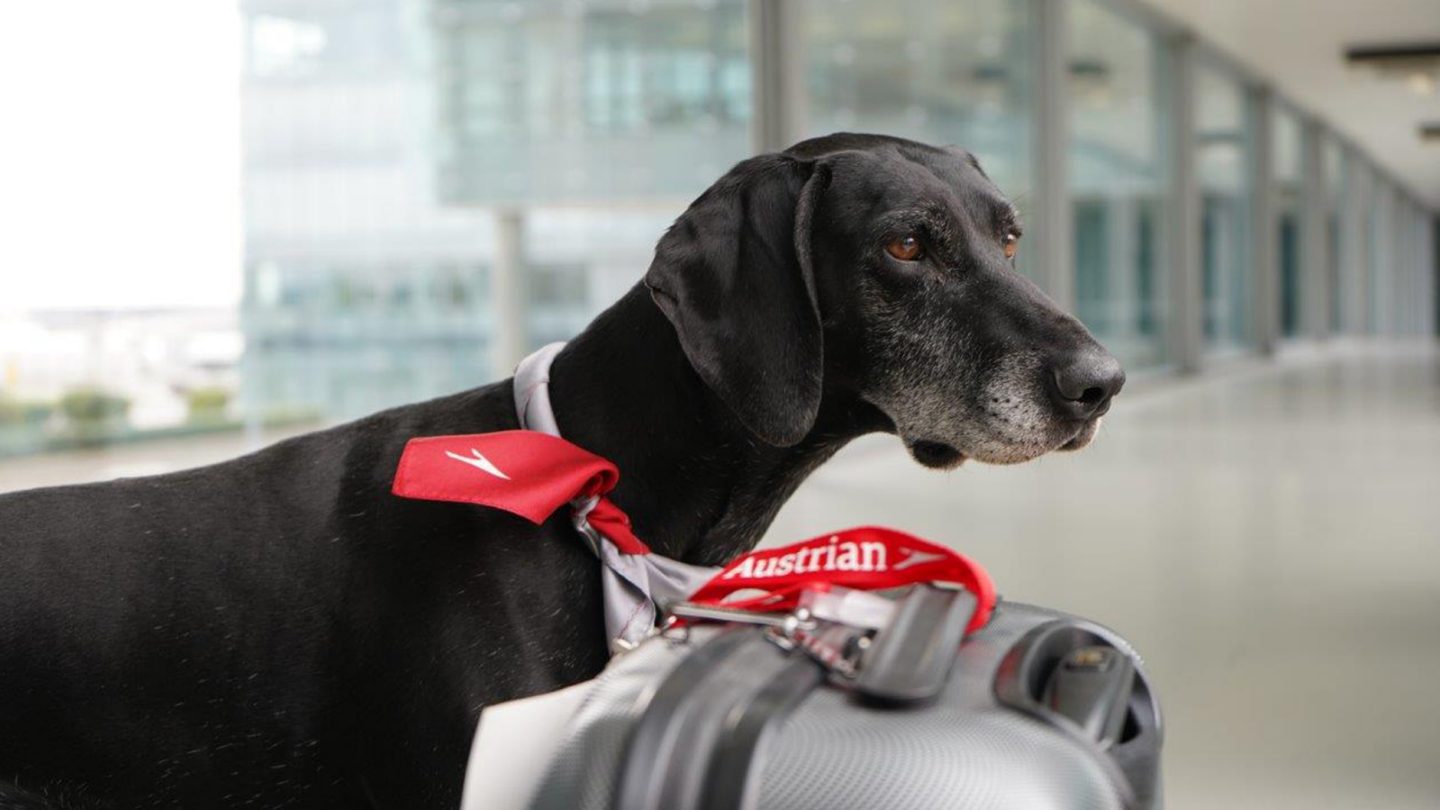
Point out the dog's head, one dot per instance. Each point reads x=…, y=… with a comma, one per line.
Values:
x=884, y=269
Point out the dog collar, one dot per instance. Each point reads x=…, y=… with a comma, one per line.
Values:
x=532, y=472
x=635, y=585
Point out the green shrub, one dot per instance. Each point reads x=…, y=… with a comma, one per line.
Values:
x=92, y=406
x=207, y=404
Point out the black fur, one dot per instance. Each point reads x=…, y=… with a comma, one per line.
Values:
x=280, y=631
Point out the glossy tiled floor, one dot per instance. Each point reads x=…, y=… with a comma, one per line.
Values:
x=1269, y=537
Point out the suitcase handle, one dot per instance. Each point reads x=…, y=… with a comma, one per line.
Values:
x=1091, y=686
x=910, y=659
x=1119, y=719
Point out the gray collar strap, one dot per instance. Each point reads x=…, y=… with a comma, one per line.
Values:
x=634, y=585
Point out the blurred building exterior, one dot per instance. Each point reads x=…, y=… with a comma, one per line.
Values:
x=359, y=283
x=434, y=186
x=149, y=364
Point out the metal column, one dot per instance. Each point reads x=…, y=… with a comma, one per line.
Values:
x=1186, y=334
x=1352, y=249
x=1382, y=255
x=509, y=340
x=1264, y=267
x=1314, y=233
x=1051, y=215
x=1430, y=270
x=777, y=95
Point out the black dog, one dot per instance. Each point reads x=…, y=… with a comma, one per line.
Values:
x=280, y=631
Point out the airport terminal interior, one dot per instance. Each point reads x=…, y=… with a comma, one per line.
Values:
x=1265, y=535
x=1239, y=199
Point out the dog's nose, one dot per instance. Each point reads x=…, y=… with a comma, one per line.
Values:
x=1082, y=384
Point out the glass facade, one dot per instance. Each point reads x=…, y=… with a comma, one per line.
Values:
x=432, y=187
x=394, y=148
x=962, y=78
x=1223, y=143
x=1118, y=172
x=544, y=102
x=361, y=288
x=388, y=143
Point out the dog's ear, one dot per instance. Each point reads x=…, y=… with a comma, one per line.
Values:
x=734, y=276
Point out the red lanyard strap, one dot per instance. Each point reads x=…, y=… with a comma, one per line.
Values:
x=867, y=558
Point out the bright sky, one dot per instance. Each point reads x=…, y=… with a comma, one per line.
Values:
x=119, y=154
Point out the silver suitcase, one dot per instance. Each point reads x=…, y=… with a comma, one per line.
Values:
x=1038, y=709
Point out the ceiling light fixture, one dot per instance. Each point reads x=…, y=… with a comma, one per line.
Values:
x=1416, y=64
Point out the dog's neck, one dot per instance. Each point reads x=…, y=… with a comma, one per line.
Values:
x=697, y=485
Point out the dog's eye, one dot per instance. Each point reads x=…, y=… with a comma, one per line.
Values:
x=906, y=249
x=1012, y=244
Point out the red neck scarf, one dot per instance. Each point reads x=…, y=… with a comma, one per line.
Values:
x=522, y=472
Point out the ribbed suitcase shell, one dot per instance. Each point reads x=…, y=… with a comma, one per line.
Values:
x=967, y=749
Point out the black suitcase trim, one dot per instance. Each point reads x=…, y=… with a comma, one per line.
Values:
x=699, y=744
x=734, y=780
x=1134, y=763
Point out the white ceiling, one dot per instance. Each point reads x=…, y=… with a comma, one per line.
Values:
x=1298, y=46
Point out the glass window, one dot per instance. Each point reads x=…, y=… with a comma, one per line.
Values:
x=382, y=144
x=1118, y=181
x=566, y=102
x=1286, y=135
x=1223, y=135
x=962, y=77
